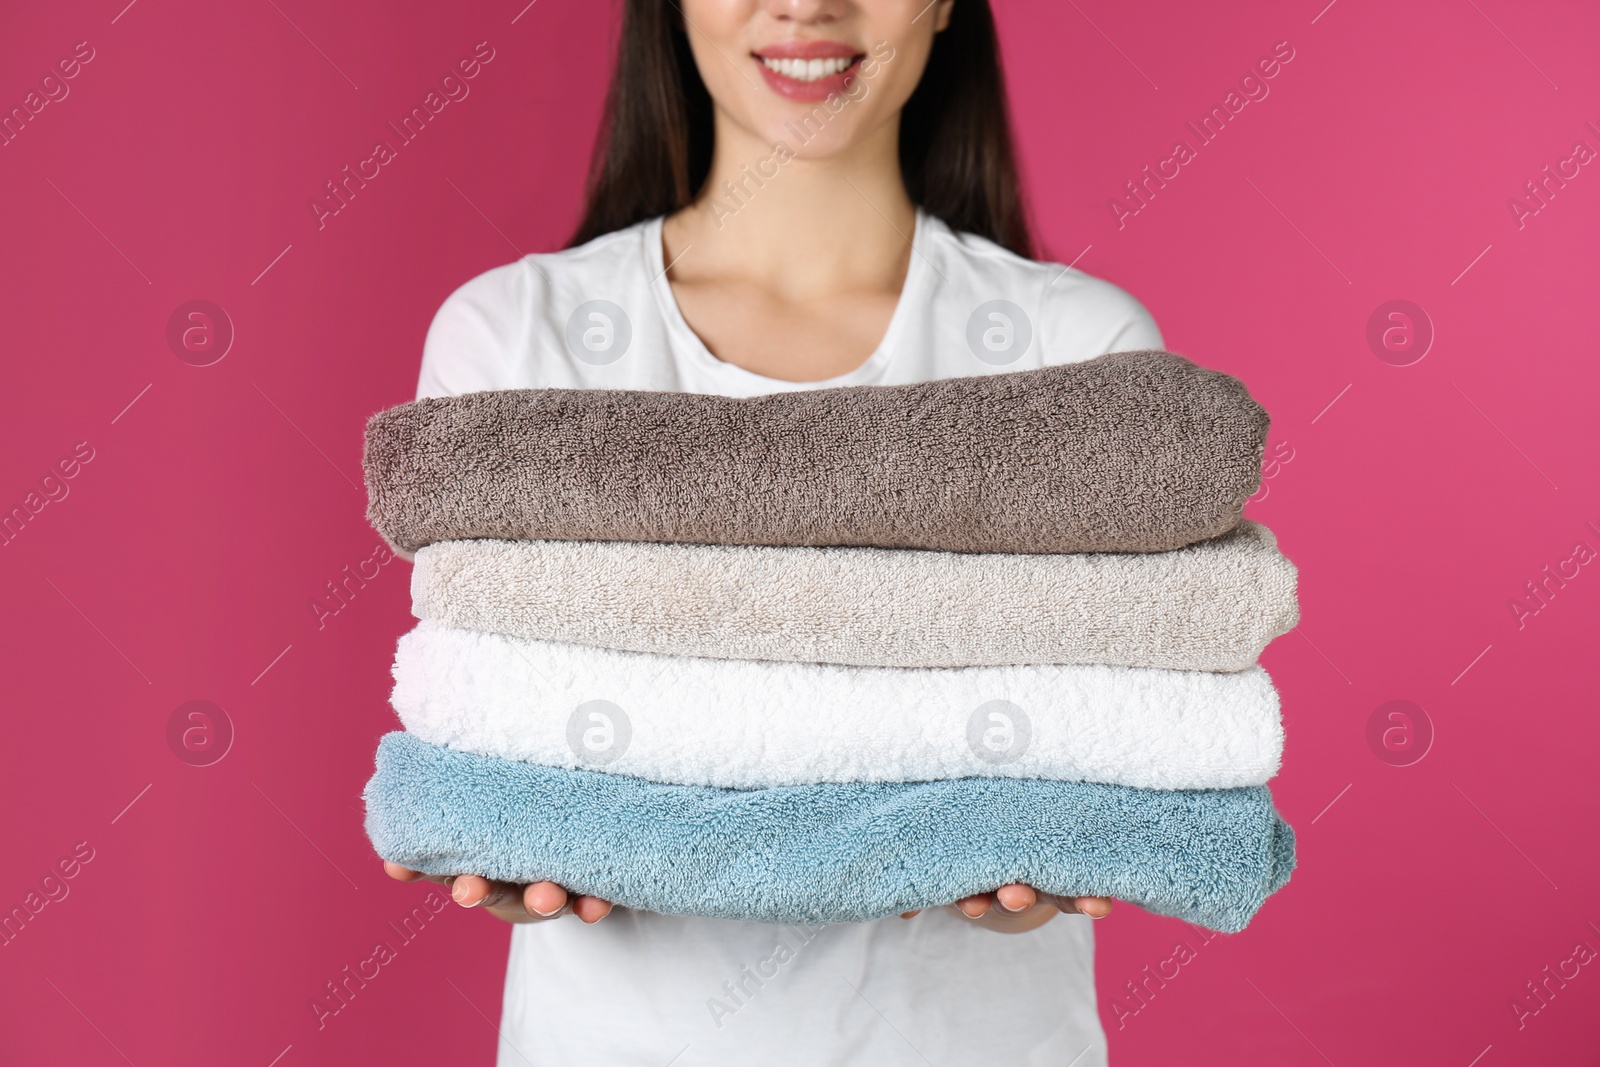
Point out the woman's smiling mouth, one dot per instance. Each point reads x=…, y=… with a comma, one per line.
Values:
x=808, y=70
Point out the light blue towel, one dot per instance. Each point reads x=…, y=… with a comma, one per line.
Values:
x=811, y=854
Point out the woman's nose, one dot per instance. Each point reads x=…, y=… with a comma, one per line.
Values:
x=806, y=12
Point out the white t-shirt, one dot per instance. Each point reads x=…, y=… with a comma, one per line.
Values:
x=656, y=990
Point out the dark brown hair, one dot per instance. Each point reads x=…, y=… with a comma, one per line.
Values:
x=653, y=152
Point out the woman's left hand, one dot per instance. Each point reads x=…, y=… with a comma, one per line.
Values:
x=1019, y=908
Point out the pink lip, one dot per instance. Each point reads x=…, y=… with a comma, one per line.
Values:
x=796, y=48
x=820, y=89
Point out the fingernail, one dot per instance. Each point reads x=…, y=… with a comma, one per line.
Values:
x=457, y=892
x=547, y=914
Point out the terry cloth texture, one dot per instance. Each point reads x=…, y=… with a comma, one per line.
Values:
x=1128, y=452
x=824, y=853
x=748, y=724
x=1212, y=606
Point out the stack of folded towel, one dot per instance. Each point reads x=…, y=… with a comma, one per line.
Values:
x=833, y=655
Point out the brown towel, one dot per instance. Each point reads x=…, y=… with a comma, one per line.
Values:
x=1129, y=452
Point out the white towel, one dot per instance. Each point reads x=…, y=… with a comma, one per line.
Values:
x=1211, y=606
x=754, y=724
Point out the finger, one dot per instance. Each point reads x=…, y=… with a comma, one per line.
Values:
x=591, y=909
x=1094, y=907
x=472, y=891
x=913, y=913
x=399, y=873
x=503, y=898
x=544, y=899
x=469, y=890
x=406, y=874
x=1016, y=897
x=975, y=906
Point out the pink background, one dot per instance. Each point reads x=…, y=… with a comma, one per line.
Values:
x=184, y=559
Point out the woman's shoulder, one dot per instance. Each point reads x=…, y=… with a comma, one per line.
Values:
x=486, y=333
x=507, y=290
x=1074, y=315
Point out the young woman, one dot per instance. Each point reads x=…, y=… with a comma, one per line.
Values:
x=790, y=194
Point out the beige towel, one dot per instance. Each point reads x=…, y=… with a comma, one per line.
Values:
x=1208, y=607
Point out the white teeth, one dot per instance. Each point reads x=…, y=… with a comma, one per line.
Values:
x=803, y=70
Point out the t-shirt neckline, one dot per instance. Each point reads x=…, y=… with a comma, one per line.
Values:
x=702, y=357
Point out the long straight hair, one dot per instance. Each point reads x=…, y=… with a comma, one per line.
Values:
x=653, y=152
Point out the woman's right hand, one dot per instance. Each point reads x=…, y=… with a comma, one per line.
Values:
x=539, y=902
